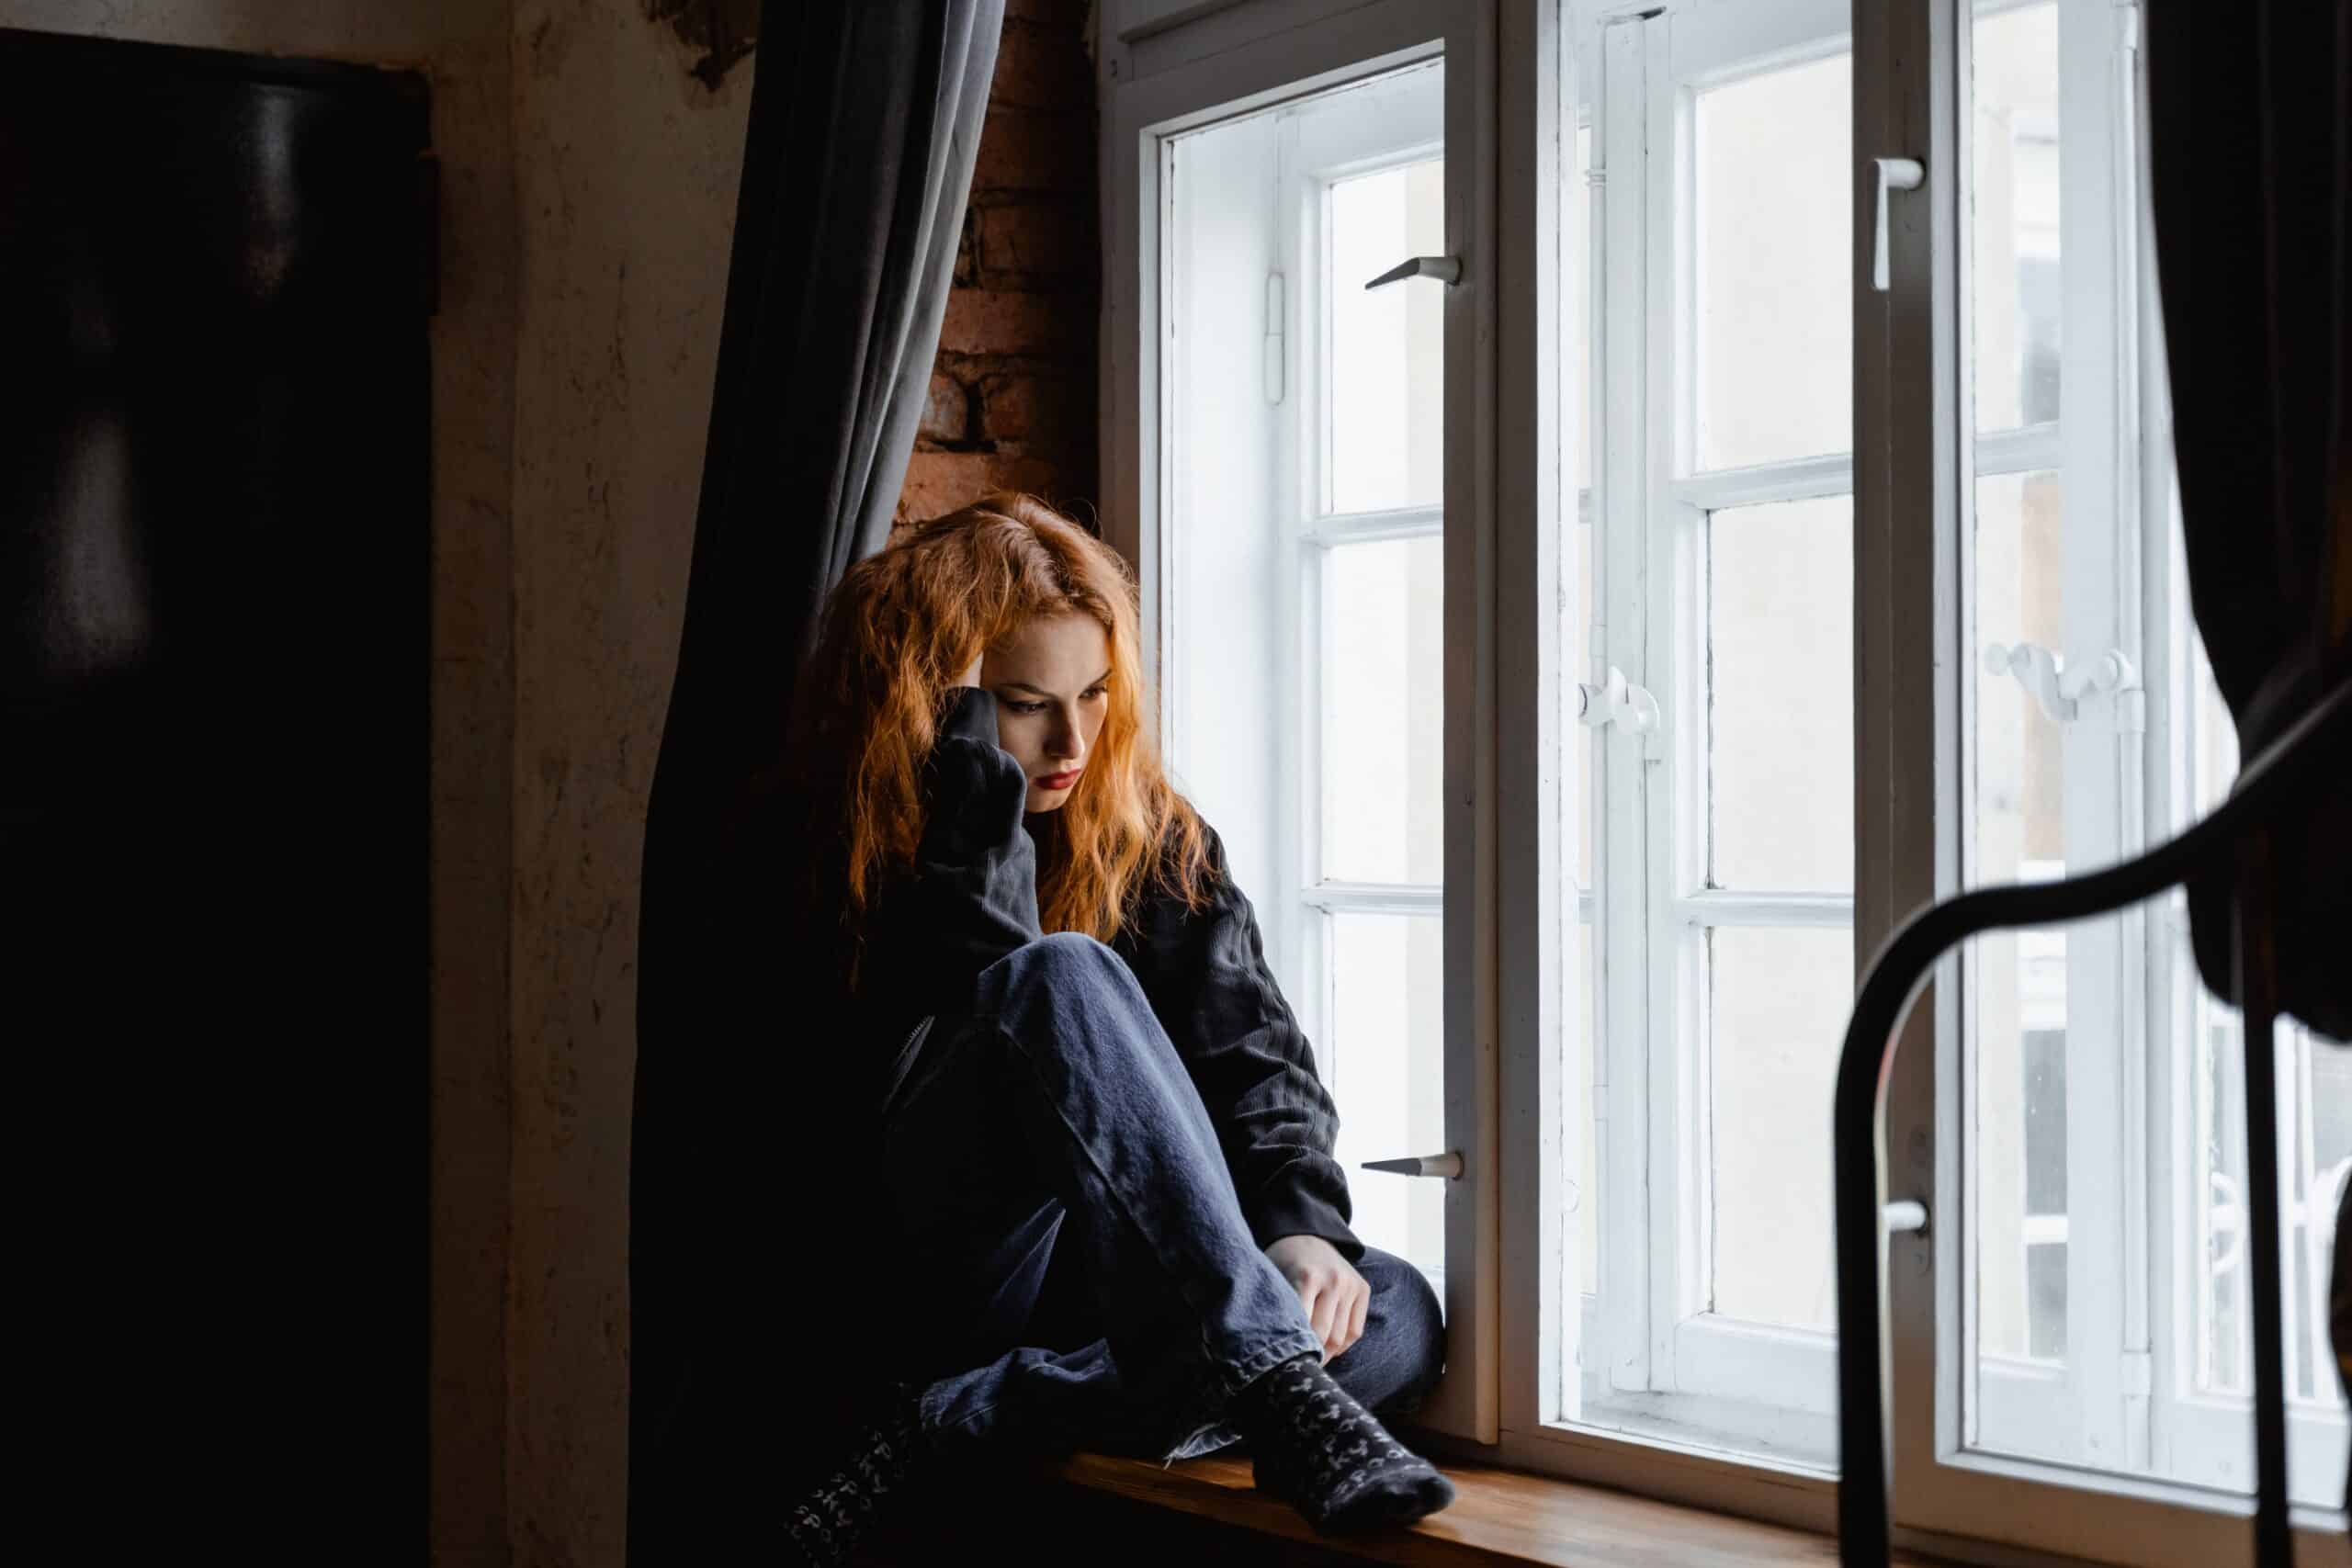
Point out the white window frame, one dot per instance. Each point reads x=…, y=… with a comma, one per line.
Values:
x=1167, y=66
x=1352, y=135
x=1772, y=1385
x=1166, y=71
x=1917, y=459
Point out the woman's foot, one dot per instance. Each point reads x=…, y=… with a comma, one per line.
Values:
x=1315, y=1446
x=884, y=1457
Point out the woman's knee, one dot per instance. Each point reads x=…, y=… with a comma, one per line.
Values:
x=1063, y=964
x=1409, y=1322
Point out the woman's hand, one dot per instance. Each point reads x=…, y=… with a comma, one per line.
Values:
x=1335, y=1296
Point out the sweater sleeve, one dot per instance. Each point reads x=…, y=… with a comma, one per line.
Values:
x=1205, y=975
x=972, y=895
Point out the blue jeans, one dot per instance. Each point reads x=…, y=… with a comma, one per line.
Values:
x=1058, y=1115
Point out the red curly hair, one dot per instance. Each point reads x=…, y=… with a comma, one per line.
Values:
x=896, y=635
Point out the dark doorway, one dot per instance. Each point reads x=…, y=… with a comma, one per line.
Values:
x=214, y=596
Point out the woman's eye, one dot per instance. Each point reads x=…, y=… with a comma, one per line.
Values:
x=1026, y=707
x=1092, y=693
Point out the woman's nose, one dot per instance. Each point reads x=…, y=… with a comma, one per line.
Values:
x=1063, y=742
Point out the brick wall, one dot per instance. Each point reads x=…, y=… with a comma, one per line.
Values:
x=1013, y=401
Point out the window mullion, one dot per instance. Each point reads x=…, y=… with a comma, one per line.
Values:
x=2102, y=1048
x=1676, y=1209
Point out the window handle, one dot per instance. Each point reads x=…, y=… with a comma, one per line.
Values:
x=1619, y=702
x=1445, y=269
x=1893, y=173
x=1447, y=1165
x=2060, y=688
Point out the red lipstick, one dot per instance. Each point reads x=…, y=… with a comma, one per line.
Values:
x=1059, y=781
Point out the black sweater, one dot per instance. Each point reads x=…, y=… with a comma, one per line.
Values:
x=754, y=1207
x=971, y=899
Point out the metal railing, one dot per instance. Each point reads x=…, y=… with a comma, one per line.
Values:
x=2220, y=842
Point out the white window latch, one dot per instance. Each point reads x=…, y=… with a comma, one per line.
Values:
x=1619, y=703
x=1447, y=1165
x=1893, y=173
x=1906, y=1214
x=1445, y=269
x=2059, y=688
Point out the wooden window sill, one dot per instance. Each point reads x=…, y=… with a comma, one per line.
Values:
x=1133, y=1514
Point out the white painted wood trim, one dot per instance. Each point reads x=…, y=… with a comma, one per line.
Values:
x=1198, y=79
x=1468, y=1398
x=1540, y=996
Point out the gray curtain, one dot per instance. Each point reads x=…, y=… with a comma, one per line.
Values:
x=865, y=116
x=2250, y=161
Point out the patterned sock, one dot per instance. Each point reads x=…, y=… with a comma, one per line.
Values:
x=884, y=1456
x=1315, y=1446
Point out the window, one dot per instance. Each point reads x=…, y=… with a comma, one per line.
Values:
x=1585, y=660
x=1713, y=949
x=1312, y=565
x=1333, y=665
x=2087, y=1299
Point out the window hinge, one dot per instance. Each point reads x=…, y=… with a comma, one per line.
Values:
x=2131, y=711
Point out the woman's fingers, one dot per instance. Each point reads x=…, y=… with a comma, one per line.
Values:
x=1321, y=1301
x=1306, y=1287
x=1361, y=1310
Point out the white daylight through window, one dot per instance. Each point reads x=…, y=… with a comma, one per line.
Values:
x=1308, y=623
x=1530, y=637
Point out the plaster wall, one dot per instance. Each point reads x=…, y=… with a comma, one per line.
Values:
x=626, y=174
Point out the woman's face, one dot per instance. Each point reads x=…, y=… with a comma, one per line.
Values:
x=1049, y=680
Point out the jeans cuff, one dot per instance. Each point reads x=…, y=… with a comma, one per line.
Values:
x=1239, y=1373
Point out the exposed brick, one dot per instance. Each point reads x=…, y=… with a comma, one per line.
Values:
x=1037, y=239
x=941, y=482
x=1069, y=14
x=1036, y=408
x=946, y=413
x=1042, y=67
x=1034, y=149
x=997, y=321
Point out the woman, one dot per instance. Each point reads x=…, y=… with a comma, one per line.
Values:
x=1107, y=1213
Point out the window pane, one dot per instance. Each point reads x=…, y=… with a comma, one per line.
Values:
x=1772, y=255
x=1382, y=677
x=2315, y=1158
x=1386, y=1069
x=1387, y=344
x=1780, y=697
x=2015, y=217
x=2018, y=978
x=1777, y=1004
x=2020, y=823
x=2019, y=1155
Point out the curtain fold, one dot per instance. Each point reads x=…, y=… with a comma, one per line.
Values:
x=865, y=117
x=2250, y=166
x=2250, y=176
